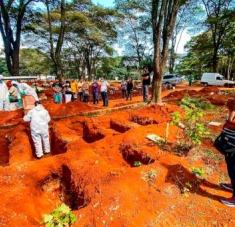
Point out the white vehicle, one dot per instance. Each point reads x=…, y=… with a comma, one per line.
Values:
x=215, y=79
x=171, y=79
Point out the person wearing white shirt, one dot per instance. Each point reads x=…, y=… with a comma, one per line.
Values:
x=104, y=91
x=4, y=95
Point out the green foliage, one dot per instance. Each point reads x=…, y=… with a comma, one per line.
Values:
x=196, y=133
x=137, y=164
x=62, y=216
x=192, y=119
x=34, y=62
x=3, y=67
x=196, y=103
x=176, y=118
x=198, y=171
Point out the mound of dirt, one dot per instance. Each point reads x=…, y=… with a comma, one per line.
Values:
x=66, y=109
x=218, y=100
x=11, y=117
x=210, y=89
x=178, y=95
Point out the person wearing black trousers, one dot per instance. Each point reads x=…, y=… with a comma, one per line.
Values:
x=129, y=89
x=229, y=129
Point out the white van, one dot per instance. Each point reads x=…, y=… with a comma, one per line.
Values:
x=215, y=79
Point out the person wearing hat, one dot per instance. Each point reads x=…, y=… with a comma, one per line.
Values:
x=4, y=95
x=39, y=119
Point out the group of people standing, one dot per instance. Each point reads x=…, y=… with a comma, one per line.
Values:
x=127, y=88
x=82, y=90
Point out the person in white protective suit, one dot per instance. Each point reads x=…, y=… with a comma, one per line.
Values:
x=25, y=89
x=4, y=95
x=39, y=119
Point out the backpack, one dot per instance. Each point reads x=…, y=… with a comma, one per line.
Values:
x=225, y=144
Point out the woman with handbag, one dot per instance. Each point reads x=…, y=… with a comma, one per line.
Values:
x=225, y=143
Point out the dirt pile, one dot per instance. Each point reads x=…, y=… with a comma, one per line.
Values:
x=212, y=94
x=10, y=118
x=67, y=109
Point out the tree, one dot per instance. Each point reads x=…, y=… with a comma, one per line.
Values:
x=164, y=14
x=198, y=58
x=91, y=34
x=76, y=39
x=3, y=67
x=34, y=62
x=188, y=17
x=135, y=27
x=219, y=17
x=56, y=47
x=13, y=14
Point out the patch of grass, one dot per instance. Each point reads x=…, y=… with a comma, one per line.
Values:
x=212, y=155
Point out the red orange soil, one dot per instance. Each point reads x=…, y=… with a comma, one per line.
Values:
x=91, y=170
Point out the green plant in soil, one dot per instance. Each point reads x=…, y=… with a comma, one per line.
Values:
x=198, y=171
x=191, y=121
x=137, y=164
x=62, y=216
x=197, y=103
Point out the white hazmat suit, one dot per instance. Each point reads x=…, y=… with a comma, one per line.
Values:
x=26, y=89
x=4, y=95
x=39, y=119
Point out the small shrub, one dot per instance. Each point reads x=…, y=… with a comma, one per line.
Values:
x=196, y=103
x=62, y=216
x=192, y=120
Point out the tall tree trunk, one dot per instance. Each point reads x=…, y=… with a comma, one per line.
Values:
x=215, y=60
x=172, y=55
x=11, y=42
x=55, y=52
x=163, y=21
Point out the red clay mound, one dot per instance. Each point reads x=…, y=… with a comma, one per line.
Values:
x=66, y=109
x=219, y=100
x=178, y=95
x=10, y=118
x=210, y=89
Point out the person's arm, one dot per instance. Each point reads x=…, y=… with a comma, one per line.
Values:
x=231, y=116
x=27, y=117
x=48, y=118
